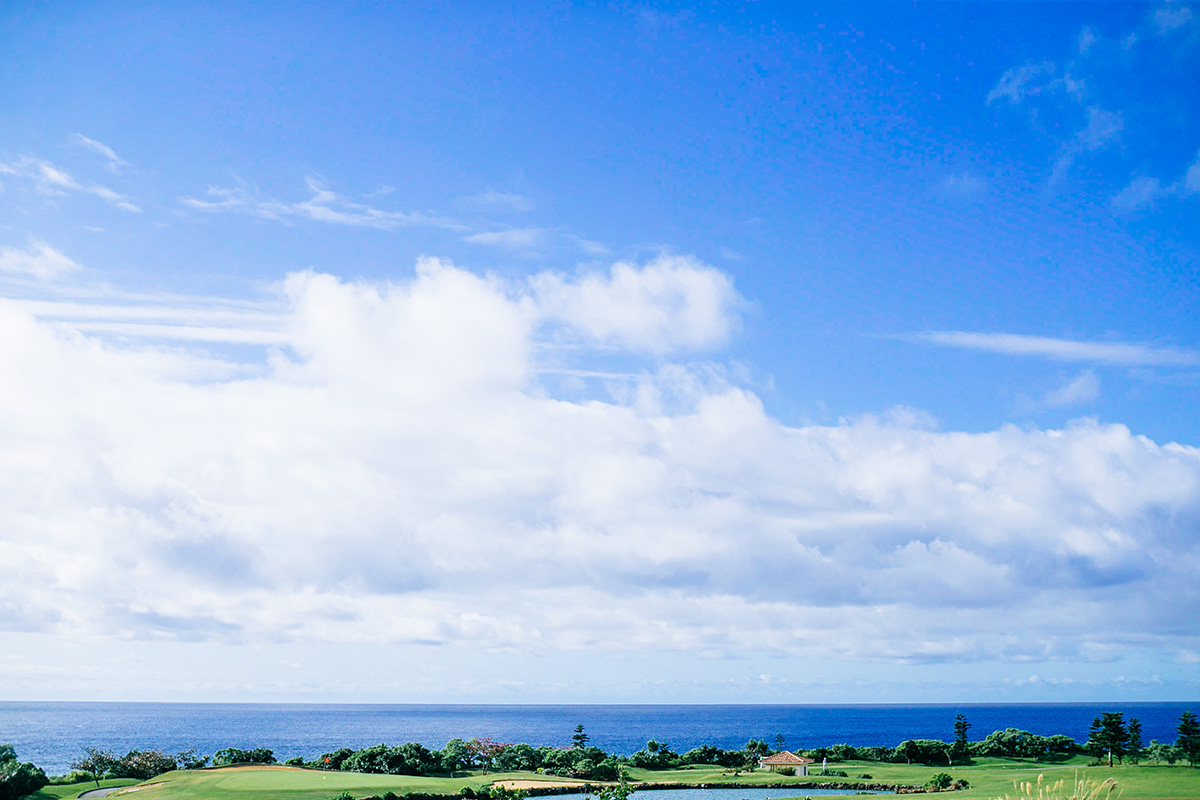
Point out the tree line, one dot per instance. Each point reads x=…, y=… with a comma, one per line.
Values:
x=1111, y=739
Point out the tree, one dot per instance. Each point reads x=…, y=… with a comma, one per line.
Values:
x=1162, y=753
x=779, y=742
x=961, y=749
x=485, y=751
x=1189, y=737
x=1108, y=734
x=1135, y=740
x=95, y=763
x=580, y=739
x=755, y=750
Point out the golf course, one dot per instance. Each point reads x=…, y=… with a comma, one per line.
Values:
x=988, y=778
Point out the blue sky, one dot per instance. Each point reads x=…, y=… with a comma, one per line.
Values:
x=740, y=352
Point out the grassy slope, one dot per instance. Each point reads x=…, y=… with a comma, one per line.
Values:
x=66, y=791
x=989, y=778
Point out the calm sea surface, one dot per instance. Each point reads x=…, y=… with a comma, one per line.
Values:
x=53, y=734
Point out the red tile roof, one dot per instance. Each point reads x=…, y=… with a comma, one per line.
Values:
x=786, y=758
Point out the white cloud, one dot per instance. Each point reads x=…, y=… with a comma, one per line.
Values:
x=1100, y=130
x=1144, y=191
x=1117, y=353
x=1020, y=82
x=115, y=162
x=962, y=184
x=1141, y=193
x=38, y=259
x=395, y=474
x=1087, y=39
x=671, y=303
x=1172, y=18
x=1082, y=389
x=49, y=179
x=324, y=206
x=496, y=201
x=511, y=239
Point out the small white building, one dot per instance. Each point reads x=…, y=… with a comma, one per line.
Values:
x=786, y=759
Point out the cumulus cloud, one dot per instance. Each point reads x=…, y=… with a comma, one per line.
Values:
x=396, y=474
x=49, y=179
x=324, y=206
x=671, y=303
x=38, y=260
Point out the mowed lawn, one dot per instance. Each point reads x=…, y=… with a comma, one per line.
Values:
x=989, y=778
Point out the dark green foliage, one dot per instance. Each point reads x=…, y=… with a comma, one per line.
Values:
x=708, y=754
x=654, y=755
x=1108, y=735
x=574, y=762
x=516, y=758
x=789, y=771
x=866, y=776
x=960, y=750
x=1188, y=742
x=1016, y=743
x=455, y=756
x=940, y=781
x=234, y=755
x=1135, y=740
x=18, y=778
x=187, y=759
x=294, y=761
x=407, y=759
x=832, y=773
x=922, y=751
x=579, y=739
x=332, y=760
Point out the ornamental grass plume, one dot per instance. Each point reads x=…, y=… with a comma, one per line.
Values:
x=1077, y=789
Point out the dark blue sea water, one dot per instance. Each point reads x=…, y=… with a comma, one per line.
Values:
x=53, y=734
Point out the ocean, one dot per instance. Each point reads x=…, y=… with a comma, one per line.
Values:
x=51, y=735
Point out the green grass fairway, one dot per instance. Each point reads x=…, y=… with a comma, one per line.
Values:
x=990, y=778
x=289, y=783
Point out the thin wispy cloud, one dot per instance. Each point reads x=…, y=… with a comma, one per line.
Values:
x=1100, y=130
x=1081, y=389
x=511, y=239
x=323, y=206
x=1144, y=191
x=49, y=179
x=1020, y=82
x=1113, y=353
x=38, y=260
x=492, y=200
x=962, y=184
x=115, y=162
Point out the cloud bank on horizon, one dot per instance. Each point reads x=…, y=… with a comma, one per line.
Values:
x=528, y=408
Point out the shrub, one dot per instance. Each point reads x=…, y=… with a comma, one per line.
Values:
x=786, y=771
x=234, y=755
x=864, y=777
x=833, y=773
x=940, y=781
